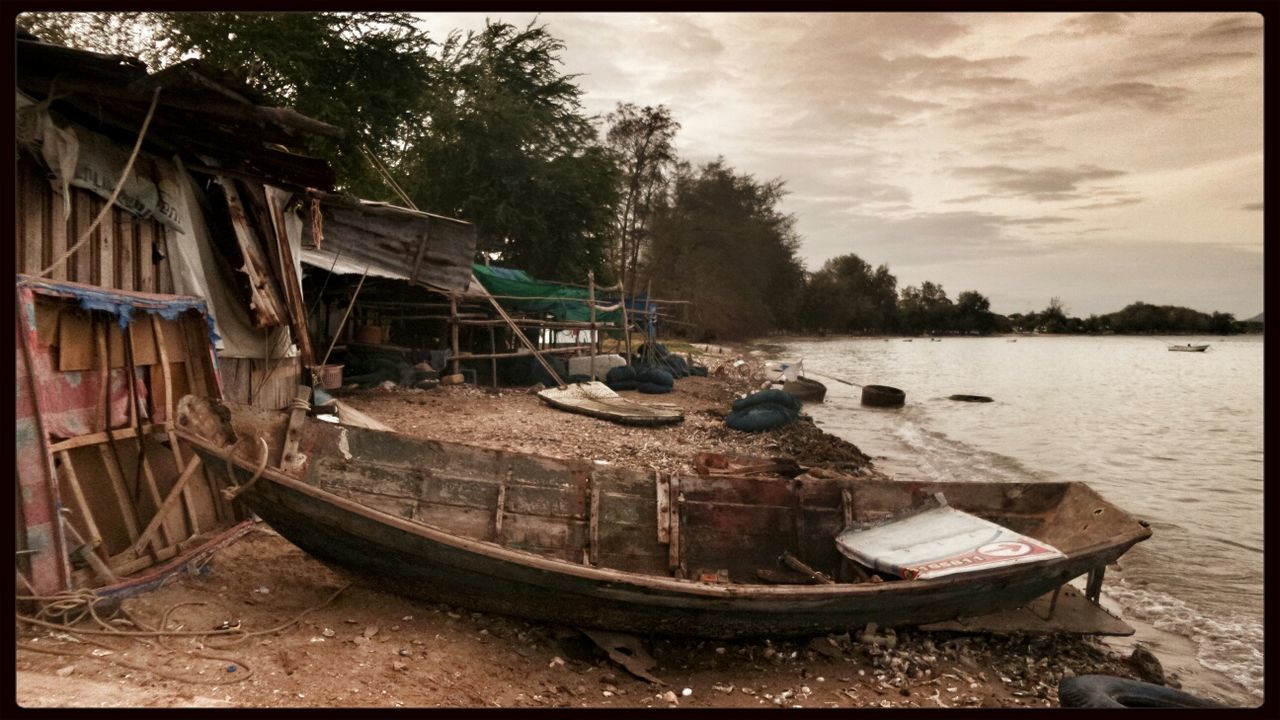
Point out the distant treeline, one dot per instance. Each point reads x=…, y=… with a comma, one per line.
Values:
x=485, y=126
x=848, y=297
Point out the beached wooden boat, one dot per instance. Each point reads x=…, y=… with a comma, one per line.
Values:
x=603, y=546
x=1188, y=348
x=597, y=400
x=805, y=389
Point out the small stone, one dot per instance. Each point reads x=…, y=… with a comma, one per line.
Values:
x=720, y=651
x=670, y=697
x=327, y=632
x=397, y=665
x=65, y=671
x=686, y=692
x=556, y=662
x=371, y=631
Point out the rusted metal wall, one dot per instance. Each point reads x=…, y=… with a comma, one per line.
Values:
x=124, y=252
x=430, y=250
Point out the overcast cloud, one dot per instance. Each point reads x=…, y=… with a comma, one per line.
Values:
x=1101, y=158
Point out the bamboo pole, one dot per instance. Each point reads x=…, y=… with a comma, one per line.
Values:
x=591, y=298
x=453, y=329
x=493, y=363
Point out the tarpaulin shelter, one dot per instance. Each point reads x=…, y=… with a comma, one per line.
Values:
x=523, y=293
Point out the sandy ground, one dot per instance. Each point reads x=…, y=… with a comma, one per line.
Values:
x=307, y=637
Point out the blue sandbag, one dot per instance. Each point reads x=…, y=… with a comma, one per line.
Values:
x=656, y=376
x=653, y=388
x=679, y=368
x=622, y=384
x=761, y=416
x=622, y=372
x=698, y=371
x=772, y=395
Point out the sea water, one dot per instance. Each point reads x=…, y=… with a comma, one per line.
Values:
x=1174, y=438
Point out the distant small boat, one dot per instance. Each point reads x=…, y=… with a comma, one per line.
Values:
x=935, y=339
x=1188, y=348
x=1012, y=340
x=906, y=340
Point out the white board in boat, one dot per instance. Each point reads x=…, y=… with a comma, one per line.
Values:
x=938, y=542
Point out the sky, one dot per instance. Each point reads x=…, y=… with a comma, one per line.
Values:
x=1098, y=158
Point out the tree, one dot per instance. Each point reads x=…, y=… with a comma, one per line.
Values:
x=926, y=308
x=720, y=241
x=504, y=144
x=1054, y=318
x=365, y=72
x=847, y=295
x=642, y=141
x=973, y=313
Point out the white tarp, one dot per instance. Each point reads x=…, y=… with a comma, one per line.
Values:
x=938, y=542
x=85, y=159
x=198, y=269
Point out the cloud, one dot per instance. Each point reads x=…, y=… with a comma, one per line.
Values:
x=1103, y=204
x=1144, y=96
x=1096, y=24
x=1247, y=27
x=968, y=199
x=1049, y=183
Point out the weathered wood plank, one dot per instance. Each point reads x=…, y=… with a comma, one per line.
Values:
x=128, y=513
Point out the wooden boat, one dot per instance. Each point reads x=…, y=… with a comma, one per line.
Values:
x=603, y=546
x=597, y=400
x=805, y=390
x=1188, y=348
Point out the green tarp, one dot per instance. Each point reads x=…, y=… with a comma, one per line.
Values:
x=507, y=283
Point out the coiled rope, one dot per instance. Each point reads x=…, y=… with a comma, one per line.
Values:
x=85, y=601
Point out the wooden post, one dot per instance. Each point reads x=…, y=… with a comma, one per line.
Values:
x=591, y=303
x=293, y=432
x=648, y=293
x=453, y=329
x=626, y=326
x=493, y=362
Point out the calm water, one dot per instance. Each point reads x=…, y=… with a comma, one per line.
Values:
x=1171, y=437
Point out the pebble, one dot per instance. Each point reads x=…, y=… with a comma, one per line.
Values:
x=327, y=632
x=65, y=671
x=686, y=692
x=670, y=697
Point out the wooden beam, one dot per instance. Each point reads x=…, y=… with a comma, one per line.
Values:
x=95, y=537
x=293, y=433
x=174, y=493
x=127, y=509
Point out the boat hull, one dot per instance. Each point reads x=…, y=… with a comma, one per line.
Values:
x=384, y=554
x=573, y=542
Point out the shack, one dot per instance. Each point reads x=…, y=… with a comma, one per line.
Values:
x=158, y=235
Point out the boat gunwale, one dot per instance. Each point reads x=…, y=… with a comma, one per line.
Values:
x=495, y=551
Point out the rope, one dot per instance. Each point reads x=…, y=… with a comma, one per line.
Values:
x=232, y=493
x=70, y=600
x=128, y=166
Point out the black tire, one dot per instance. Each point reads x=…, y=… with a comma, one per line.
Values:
x=1107, y=691
x=971, y=398
x=883, y=396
